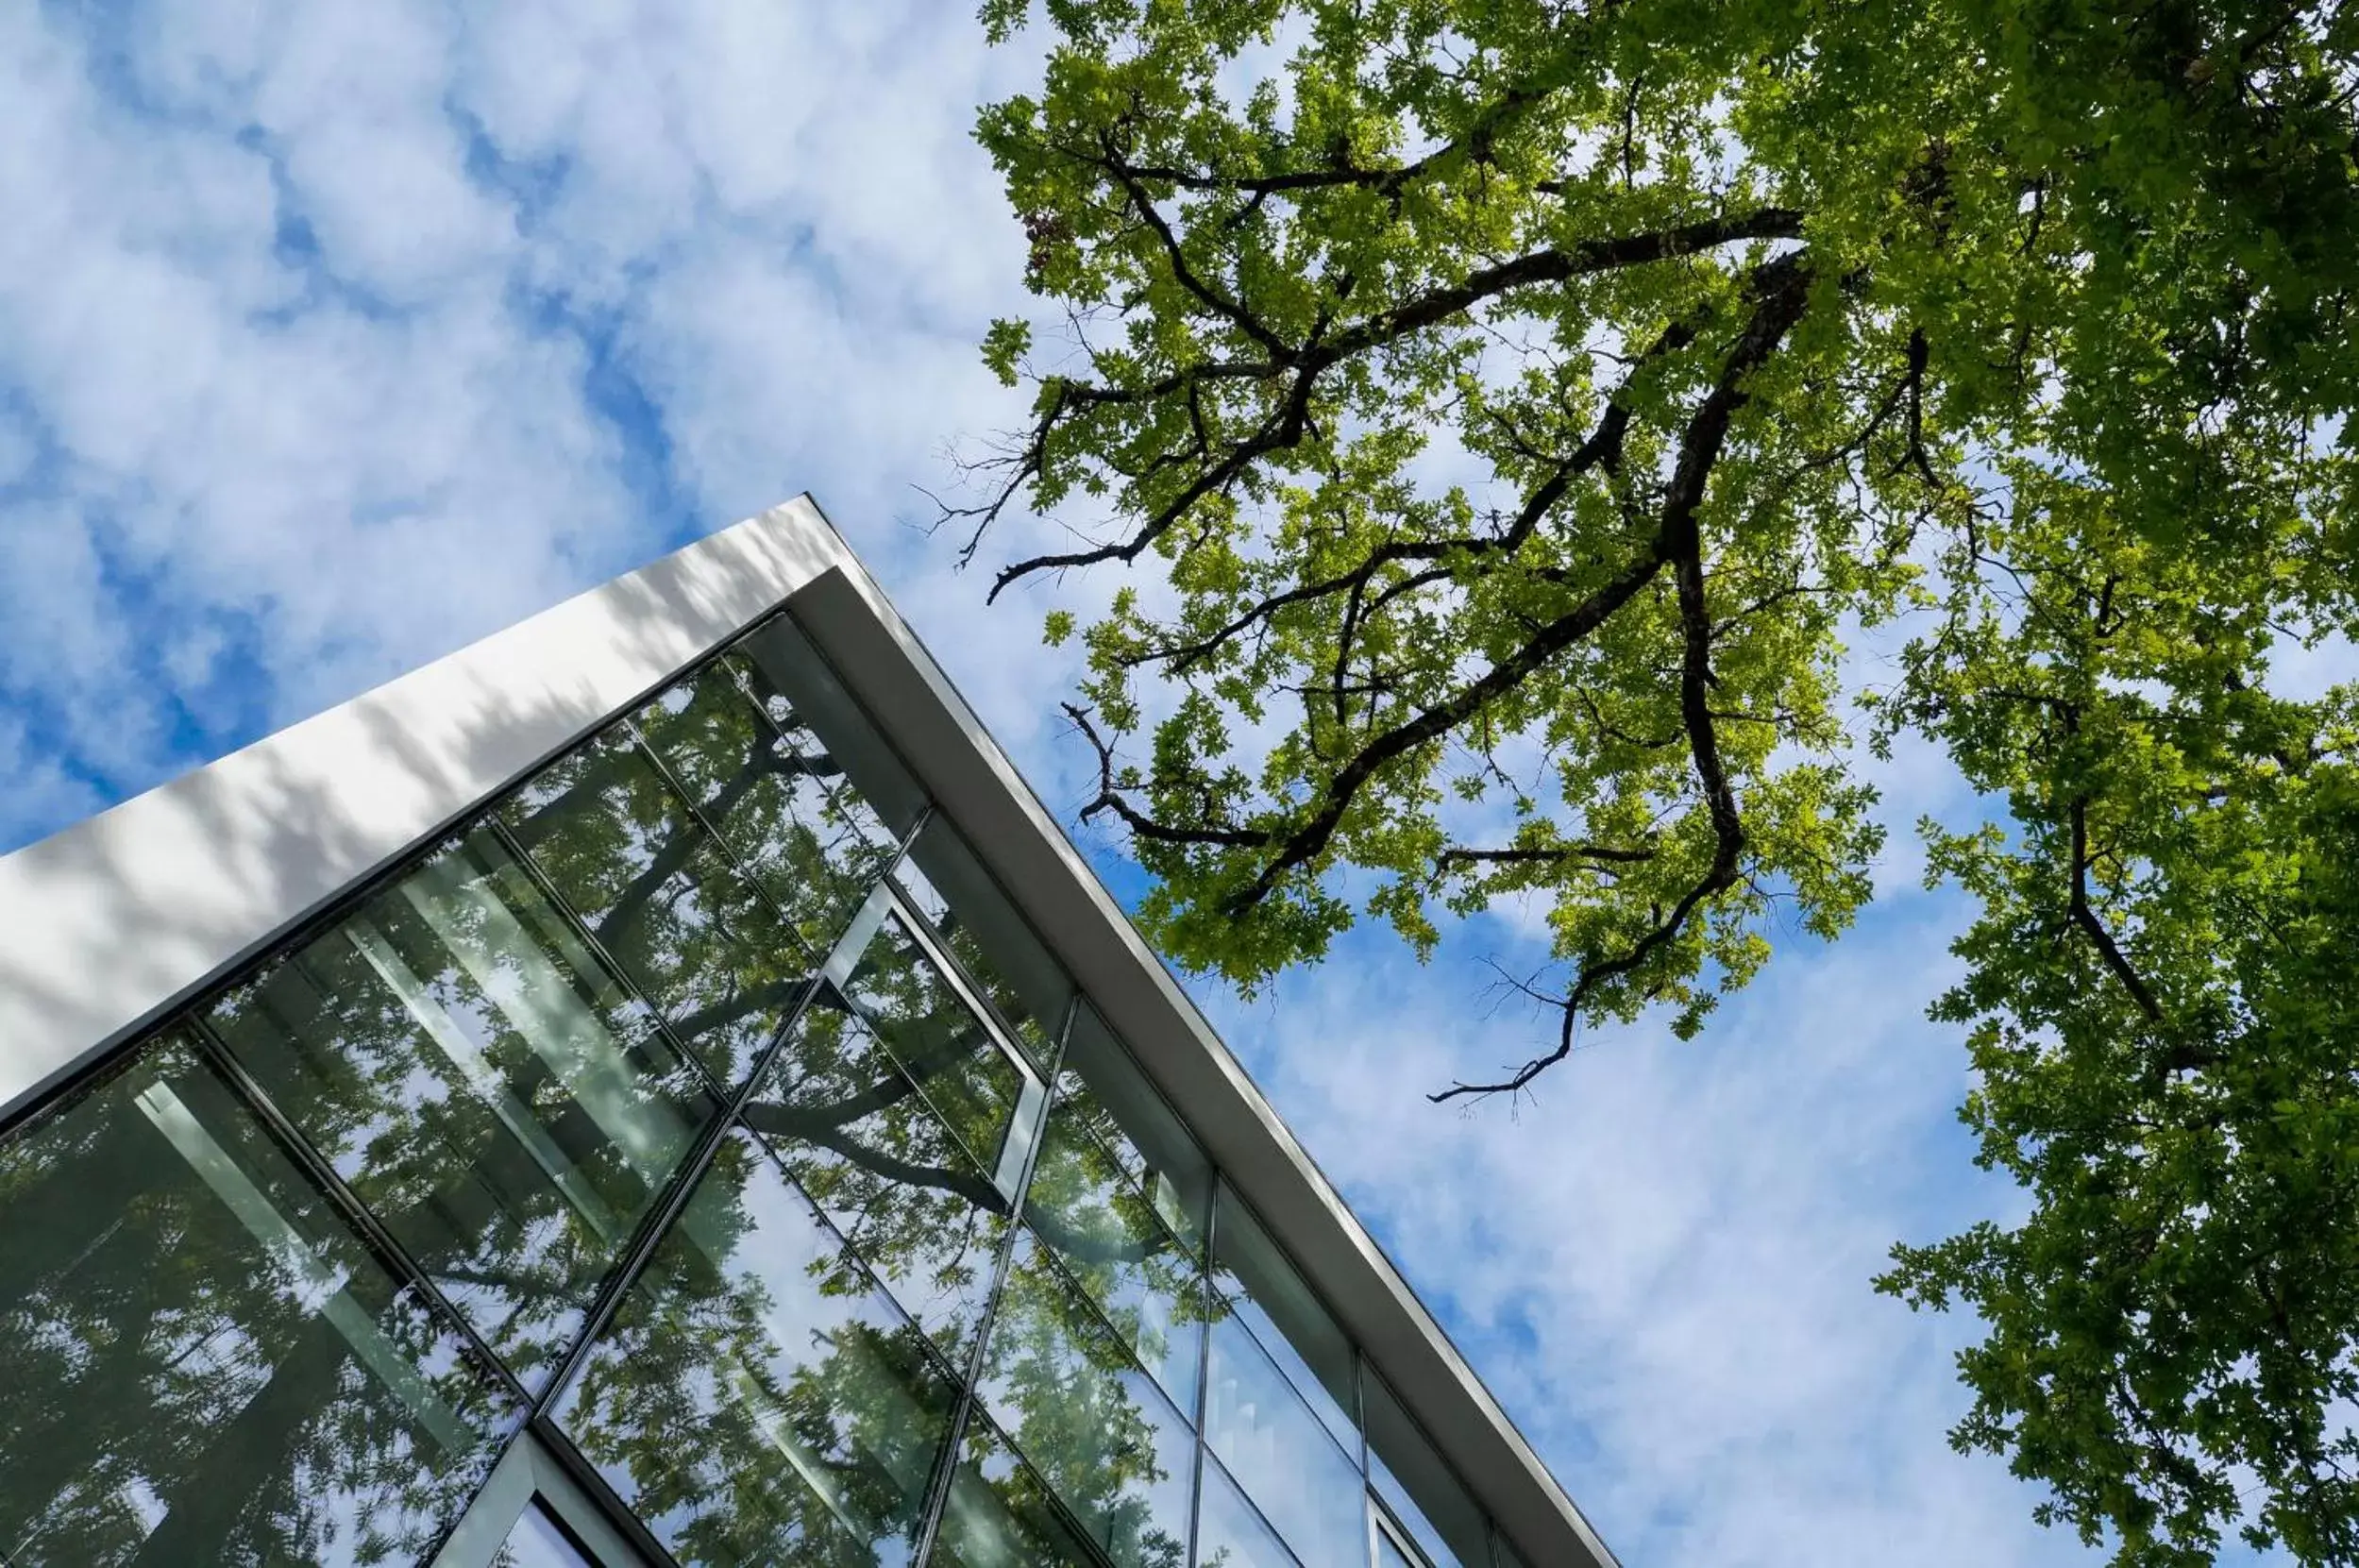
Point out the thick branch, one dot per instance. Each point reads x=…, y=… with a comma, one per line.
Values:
x=1457, y=856
x=1782, y=288
x=1286, y=425
x=1213, y=299
x=1560, y=265
x=2094, y=929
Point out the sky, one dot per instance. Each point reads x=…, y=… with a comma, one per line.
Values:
x=335, y=335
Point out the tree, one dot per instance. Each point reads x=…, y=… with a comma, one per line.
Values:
x=1520, y=404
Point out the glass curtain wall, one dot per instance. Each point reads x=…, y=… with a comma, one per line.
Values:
x=706, y=1110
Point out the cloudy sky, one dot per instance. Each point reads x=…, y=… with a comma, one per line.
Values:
x=335, y=335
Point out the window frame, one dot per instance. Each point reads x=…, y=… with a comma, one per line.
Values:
x=1025, y=1123
x=528, y=1473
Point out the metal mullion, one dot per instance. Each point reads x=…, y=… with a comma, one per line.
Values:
x=769, y=1146
x=674, y=1199
x=1202, y=1258
x=1204, y=1370
x=352, y=1207
x=1049, y=1495
x=1111, y=1330
x=880, y=733
x=1089, y=1304
x=536, y=1447
x=936, y=944
x=968, y=992
x=618, y=1513
x=1252, y=1506
x=867, y=1269
x=938, y=1491
x=1395, y=1534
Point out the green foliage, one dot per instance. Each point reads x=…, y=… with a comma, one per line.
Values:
x=1521, y=403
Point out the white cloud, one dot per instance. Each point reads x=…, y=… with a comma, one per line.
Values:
x=1664, y=1255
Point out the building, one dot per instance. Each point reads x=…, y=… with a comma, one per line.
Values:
x=654, y=1087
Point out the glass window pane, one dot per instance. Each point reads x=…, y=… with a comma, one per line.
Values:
x=1417, y=1485
x=200, y=1363
x=796, y=683
x=504, y=1107
x=999, y=1515
x=937, y=1040
x=755, y=1400
x=538, y=1543
x=984, y=933
x=865, y=1145
x=776, y=798
x=1089, y=1421
x=1277, y=1303
x=1285, y=1459
x=1229, y=1534
x=1081, y=1204
x=661, y=897
x=1103, y=1087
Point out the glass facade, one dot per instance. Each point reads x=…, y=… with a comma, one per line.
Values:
x=703, y=1120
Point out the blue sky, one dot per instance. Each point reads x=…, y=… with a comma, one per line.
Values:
x=333, y=336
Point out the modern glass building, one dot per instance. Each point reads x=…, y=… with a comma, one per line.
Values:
x=654, y=1087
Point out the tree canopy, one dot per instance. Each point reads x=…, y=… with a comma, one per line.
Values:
x=1515, y=406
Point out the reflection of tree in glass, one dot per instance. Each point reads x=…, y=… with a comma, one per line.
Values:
x=498, y=1101
x=861, y=1140
x=1088, y=1420
x=199, y=1365
x=937, y=1040
x=999, y=1514
x=984, y=932
x=772, y=792
x=661, y=898
x=752, y=1409
x=1085, y=1202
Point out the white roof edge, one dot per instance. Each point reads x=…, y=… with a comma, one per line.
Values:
x=888, y=667
x=108, y=924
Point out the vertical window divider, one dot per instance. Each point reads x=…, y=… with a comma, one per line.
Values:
x=946, y=1468
x=349, y=1204
x=1368, y=1507
x=1204, y=1366
x=844, y=957
x=936, y=947
x=1359, y=1408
